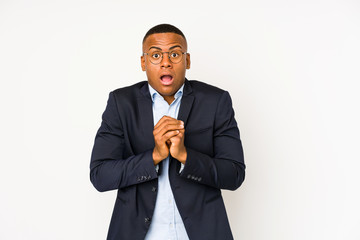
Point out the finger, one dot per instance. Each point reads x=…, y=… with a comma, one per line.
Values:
x=177, y=138
x=168, y=125
x=166, y=118
x=165, y=122
x=169, y=135
x=181, y=134
x=161, y=139
x=163, y=119
x=168, y=128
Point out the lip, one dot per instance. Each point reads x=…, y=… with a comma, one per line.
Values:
x=167, y=82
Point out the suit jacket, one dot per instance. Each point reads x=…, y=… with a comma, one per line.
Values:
x=122, y=160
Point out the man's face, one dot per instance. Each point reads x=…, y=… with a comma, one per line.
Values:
x=166, y=77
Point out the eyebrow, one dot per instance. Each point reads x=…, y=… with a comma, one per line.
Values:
x=155, y=48
x=169, y=48
x=175, y=47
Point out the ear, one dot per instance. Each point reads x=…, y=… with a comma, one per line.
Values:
x=187, y=60
x=143, y=63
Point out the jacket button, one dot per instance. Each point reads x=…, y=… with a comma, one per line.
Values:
x=199, y=179
x=147, y=220
x=153, y=189
x=189, y=176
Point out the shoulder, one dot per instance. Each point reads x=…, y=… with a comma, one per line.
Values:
x=201, y=89
x=127, y=97
x=131, y=91
x=198, y=86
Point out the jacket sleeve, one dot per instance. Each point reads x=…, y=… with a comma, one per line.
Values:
x=226, y=169
x=108, y=169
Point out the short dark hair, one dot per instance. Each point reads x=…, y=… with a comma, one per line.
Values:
x=164, y=28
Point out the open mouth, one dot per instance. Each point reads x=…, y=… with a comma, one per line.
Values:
x=166, y=79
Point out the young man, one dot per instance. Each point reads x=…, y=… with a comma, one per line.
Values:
x=168, y=146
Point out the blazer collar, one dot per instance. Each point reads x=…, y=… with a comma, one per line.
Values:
x=185, y=107
x=187, y=88
x=144, y=89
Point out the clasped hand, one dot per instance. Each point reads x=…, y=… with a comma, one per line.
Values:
x=169, y=139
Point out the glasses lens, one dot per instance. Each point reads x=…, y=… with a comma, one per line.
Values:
x=155, y=57
x=175, y=56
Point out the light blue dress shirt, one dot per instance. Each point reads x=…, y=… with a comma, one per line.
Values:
x=166, y=223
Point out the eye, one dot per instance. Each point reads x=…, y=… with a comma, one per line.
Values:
x=174, y=55
x=156, y=55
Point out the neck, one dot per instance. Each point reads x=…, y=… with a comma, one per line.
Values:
x=169, y=99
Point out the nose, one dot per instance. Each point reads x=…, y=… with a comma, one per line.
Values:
x=165, y=61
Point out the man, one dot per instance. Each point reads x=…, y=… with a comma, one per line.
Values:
x=168, y=146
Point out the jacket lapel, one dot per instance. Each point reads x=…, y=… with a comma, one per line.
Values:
x=186, y=103
x=146, y=121
x=184, y=112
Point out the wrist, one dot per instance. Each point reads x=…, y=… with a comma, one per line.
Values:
x=157, y=158
x=182, y=157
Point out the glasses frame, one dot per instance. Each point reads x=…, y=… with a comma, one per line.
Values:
x=162, y=57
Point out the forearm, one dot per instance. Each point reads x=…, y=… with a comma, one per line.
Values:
x=109, y=169
x=220, y=173
x=110, y=174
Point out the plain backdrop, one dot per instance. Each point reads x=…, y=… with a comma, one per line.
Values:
x=291, y=67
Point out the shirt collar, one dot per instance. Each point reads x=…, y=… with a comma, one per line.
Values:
x=154, y=93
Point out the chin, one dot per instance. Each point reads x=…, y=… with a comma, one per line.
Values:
x=167, y=93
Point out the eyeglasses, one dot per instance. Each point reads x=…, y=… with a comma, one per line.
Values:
x=175, y=56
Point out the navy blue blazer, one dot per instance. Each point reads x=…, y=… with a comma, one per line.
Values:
x=122, y=160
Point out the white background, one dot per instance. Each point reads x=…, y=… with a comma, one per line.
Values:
x=291, y=67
